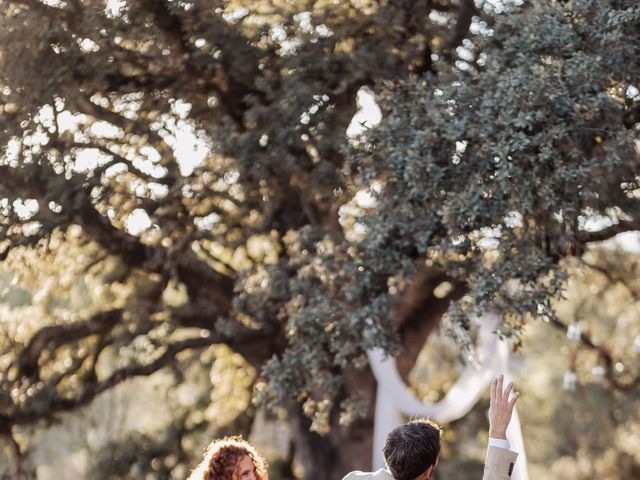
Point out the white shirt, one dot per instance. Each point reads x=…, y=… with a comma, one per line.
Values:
x=500, y=443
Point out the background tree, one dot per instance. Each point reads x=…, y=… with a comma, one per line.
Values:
x=508, y=145
x=595, y=428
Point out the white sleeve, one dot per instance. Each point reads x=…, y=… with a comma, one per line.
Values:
x=500, y=443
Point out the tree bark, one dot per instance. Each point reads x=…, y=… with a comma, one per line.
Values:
x=419, y=313
x=344, y=448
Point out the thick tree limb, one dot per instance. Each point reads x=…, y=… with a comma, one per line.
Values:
x=231, y=91
x=609, y=232
x=420, y=314
x=62, y=404
x=86, y=106
x=466, y=11
x=11, y=180
x=52, y=337
x=117, y=158
x=196, y=274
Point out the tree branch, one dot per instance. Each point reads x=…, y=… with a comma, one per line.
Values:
x=231, y=92
x=52, y=337
x=117, y=158
x=609, y=232
x=197, y=275
x=86, y=106
x=606, y=358
x=61, y=404
x=466, y=11
x=612, y=279
x=420, y=313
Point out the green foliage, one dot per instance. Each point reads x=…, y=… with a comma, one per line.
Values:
x=504, y=163
x=490, y=172
x=175, y=177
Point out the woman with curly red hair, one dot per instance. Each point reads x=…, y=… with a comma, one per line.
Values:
x=231, y=458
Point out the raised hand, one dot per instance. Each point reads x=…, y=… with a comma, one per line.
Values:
x=501, y=407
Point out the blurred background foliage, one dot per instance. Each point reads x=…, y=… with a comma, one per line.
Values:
x=210, y=210
x=157, y=426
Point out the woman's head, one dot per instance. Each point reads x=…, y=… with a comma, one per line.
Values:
x=231, y=458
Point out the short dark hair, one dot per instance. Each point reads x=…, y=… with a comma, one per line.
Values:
x=412, y=448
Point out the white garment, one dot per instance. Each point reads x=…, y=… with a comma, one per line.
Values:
x=393, y=398
x=500, y=443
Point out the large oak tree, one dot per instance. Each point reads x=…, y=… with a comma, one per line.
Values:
x=509, y=143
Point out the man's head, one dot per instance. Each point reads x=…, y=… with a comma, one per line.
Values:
x=411, y=450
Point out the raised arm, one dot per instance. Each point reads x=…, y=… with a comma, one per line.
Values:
x=500, y=460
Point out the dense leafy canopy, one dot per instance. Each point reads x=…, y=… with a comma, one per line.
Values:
x=494, y=172
x=509, y=142
x=508, y=165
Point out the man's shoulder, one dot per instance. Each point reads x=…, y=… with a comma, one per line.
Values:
x=381, y=474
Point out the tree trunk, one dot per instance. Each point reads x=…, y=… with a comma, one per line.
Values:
x=344, y=448
x=419, y=313
x=347, y=448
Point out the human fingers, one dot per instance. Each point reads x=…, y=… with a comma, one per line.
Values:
x=499, y=386
x=494, y=384
x=507, y=392
x=514, y=399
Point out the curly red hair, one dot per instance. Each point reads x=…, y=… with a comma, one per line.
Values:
x=222, y=457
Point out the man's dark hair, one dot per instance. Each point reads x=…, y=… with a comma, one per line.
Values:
x=412, y=448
